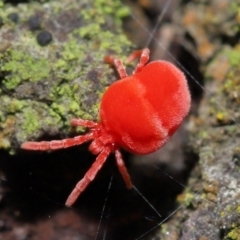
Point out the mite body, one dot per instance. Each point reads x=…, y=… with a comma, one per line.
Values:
x=138, y=113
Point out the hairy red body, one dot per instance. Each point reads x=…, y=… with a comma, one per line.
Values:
x=143, y=110
x=138, y=113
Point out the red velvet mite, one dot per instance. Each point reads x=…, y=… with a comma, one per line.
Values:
x=138, y=113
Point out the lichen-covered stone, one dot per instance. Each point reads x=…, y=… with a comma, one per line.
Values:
x=44, y=86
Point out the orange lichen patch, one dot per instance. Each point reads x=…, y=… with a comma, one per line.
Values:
x=205, y=49
x=190, y=17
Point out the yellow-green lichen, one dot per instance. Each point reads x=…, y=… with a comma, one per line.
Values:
x=11, y=105
x=234, y=234
x=74, y=108
x=66, y=78
x=234, y=55
x=63, y=90
x=232, y=85
x=222, y=214
x=21, y=66
x=238, y=209
x=203, y=134
x=187, y=198
x=60, y=109
x=221, y=116
x=36, y=117
x=31, y=122
x=7, y=125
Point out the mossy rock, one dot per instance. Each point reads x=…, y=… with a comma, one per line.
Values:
x=43, y=86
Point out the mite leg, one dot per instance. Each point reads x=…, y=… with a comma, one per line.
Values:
x=88, y=177
x=144, y=57
x=57, y=144
x=122, y=169
x=117, y=63
x=77, y=122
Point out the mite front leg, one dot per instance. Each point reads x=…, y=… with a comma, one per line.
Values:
x=57, y=144
x=117, y=63
x=144, y=57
